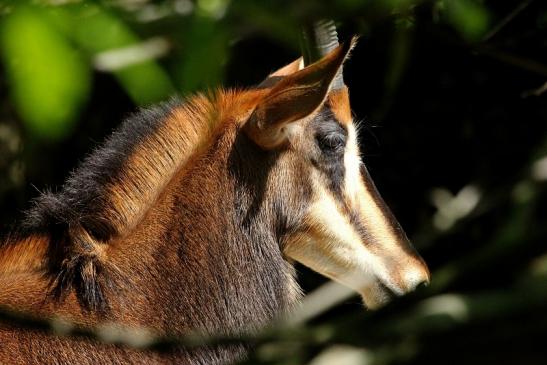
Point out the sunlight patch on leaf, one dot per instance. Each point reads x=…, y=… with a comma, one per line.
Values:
x=49, y=80
x=215, y=9
x=100, y=31
x=538, y=267
x=451, y=305
x=539, y=169
x=117, y=59
x=451, y=208
x=344, y=355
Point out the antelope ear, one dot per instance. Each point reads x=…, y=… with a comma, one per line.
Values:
x=295, y=97
x=286, y=70
x=291, y=68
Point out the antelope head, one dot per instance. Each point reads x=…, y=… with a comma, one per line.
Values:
x=332, y=218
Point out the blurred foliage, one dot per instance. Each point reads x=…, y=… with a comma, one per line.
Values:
x=49, y=49
x=49, y=78
x=469, y=17
x=453, y=97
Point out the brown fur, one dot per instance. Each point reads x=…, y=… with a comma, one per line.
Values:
x=338, y=102
x=163, y=205
x=294, y=98
x=27, y=254
x=185, y=220
x=187, y=132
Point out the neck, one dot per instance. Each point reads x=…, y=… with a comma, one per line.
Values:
x=114, y=186
x=194, y=247
x=209, y=255
x=108, y=196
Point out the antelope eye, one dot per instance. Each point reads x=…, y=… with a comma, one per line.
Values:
x=331, y=142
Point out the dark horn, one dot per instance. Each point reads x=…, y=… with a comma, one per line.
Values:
x=317, y=42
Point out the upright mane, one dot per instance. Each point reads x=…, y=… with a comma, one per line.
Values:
x=191, y=216
x=113, y=188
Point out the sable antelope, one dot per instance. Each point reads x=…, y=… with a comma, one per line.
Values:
x=189, y=218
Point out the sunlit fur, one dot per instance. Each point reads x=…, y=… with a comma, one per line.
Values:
x=181, y=221
x=353, y=238
x=201, y=253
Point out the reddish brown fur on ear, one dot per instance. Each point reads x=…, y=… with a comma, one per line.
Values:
x=293, y=98
x=338, y=102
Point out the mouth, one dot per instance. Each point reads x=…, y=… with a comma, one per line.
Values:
x=378, y=295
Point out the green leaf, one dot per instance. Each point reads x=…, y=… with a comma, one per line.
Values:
x=49, y=80
x=201, y=64
x=97, y=30
x=469, y=17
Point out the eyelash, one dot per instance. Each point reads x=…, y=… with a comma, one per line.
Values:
x=331, y=143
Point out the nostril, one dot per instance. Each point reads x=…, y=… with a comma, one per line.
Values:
x=416, y=279
x=422, y=285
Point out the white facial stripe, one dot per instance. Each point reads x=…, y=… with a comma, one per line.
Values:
x=334, y=247
x=410, y=270
x=362, y=199
x=352, y=162
x=338, y=252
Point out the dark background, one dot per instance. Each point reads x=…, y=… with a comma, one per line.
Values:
x=453, y=114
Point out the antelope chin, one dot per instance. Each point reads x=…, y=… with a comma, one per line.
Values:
x=377, y=295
